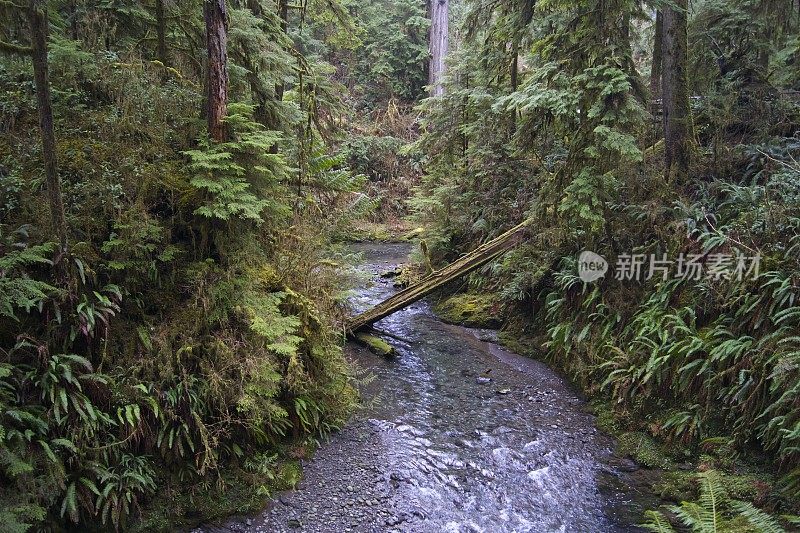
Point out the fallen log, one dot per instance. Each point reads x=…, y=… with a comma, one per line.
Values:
x=464, y=265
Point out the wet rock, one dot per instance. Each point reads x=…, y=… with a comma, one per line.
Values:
x=396, y=520
x=376, y=345
x=389, y=274
x=627, y=465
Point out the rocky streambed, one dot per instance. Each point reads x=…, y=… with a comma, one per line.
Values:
x=457, y=434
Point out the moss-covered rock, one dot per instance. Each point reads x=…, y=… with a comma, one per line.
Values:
x=471, y=310
x=677, y=486
x=238, y=492
x=376, y=345
x=644, y=449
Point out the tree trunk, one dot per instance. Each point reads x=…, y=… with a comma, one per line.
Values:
x=514, y=66
x=217, y=69
x=73, y=19
x=283, y=13
x=426, y=286
x=675, y=92
x=514, y=71
x=658, y=57
x=37, y=16
x=438, y=44
x=161, y=33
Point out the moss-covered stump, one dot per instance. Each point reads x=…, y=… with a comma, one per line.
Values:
x=376, y=345
x=471, y=310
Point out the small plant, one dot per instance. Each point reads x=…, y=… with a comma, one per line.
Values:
x=714, y=512
x=18, y=289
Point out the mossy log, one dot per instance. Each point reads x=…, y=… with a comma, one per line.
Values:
x=466, y=264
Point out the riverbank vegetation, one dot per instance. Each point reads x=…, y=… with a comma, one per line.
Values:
x=661, y=130
x=172, y=176
x=175, y=178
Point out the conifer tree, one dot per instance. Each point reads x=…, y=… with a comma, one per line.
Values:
x=217, y=67
x=438, y=44
x=37, y=17
x=658, y=41
x=675, y=90
x=161, y=33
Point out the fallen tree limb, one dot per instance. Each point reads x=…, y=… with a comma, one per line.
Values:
x=464, y=265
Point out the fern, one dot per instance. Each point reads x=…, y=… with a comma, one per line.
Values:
x=242, y=178
x=657, y=523
x=714, y=512
x=18, y=290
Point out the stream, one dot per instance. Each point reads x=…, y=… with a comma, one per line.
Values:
x=438, y=448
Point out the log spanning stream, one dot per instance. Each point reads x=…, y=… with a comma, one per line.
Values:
x=437, y=448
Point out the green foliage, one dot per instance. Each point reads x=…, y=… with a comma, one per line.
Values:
x=240, y=178
x=545, y=116
x=191, y=327
x=390, y=61
x=17, y=288
x=714, y=512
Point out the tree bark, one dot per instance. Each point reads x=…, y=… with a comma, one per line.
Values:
x=658, y=57
x=283, y=13
x=161, y=33
x=217, y=68
x=514, y=71
x=37, y=16
x=438, y=44
x=675, y=92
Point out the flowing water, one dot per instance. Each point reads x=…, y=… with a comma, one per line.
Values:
x=440, y=448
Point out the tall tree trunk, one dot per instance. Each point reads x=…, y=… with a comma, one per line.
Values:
x=217, y=69
x=73, y=19
x=37, y=16
x=161, y=33
x=514, y=71
x=514, y=66
x=438, y=44
x=658, y=57
x=675, y=92
x=283, y=13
